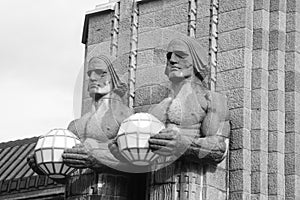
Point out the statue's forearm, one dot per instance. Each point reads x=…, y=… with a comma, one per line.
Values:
x=212, y=148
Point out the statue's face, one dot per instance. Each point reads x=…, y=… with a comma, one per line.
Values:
x=179, y=61
x=99, y=78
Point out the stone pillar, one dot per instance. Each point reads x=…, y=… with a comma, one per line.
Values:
x=259, y=101
x=292, y=99
x=234, y=72
x=276, y=122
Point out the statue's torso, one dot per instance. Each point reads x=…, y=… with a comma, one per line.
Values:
x=186, y=111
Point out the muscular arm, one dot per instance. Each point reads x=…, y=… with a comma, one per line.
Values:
x=215, y=130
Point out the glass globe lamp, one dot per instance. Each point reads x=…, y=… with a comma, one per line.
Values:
x=133, y=137
x=49, y=149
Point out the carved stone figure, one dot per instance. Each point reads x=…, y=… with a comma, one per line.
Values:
x=197, y=119
x=98, y=127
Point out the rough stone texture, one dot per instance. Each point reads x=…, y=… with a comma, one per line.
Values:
x=260, y=79
x=277, y=21
x=233, y=59
x=153, y=75
x=235, y=39
x=233, y=79
x=292, y=41
x=203, y=8
x=292, y=24
x=260, y=59
x=259, y=139
x=277, y=60
x=292, y=60
x=276, y=80
x=240, y=118
x=259, y=99
x=260, y=18
x=234, y=20
x=291, y=83
x=239, y=180
x=257, y=68
x=171, y=16
x=292, y=101
x=240, y=139
x=262, y=5
x=277, y=40
x=292, y=6
x=229, y=5
x=100, y=28
x=238, y=98
x=259, y=119
x=260, y=39
x=239, y=159
x=145, y=58
x=276, y=100
x=259, y=183
x=142, y=96
x=202, y=26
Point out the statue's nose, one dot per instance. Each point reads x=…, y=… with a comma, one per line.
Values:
x=93, y=76
x=173, y=59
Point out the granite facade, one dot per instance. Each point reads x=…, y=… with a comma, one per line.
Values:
x=257, y=68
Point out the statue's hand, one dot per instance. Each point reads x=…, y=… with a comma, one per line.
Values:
x=78, y=157
x=33, y=165
x=114, y=149
x=168, y=142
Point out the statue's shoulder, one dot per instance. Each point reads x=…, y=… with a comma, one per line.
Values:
x=77, y=126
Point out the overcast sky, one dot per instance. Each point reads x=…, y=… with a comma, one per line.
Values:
x=41, y=56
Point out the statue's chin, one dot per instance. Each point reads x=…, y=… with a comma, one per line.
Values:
x=177, y=79
x=178, y=76
x=98, y=95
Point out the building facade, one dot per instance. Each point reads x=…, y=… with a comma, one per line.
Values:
x=254, y=53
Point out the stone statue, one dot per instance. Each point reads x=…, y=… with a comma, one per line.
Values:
x=98, y=127
x=196, y=119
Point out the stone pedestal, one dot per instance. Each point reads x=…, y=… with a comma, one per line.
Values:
x=110, y=184
x=89, y=185
x=186, y=180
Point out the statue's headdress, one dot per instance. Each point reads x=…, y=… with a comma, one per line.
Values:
x=198, y=54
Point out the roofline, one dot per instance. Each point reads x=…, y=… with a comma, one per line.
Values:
x=4, y=145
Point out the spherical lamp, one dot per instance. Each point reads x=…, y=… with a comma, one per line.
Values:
x=49, y=149
x=133, y=137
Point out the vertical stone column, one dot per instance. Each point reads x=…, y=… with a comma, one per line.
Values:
x=259, y=101
x=292, y=101
x=276, y=122
x=234, y=76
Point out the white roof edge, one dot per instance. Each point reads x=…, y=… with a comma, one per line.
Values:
x=103, y=7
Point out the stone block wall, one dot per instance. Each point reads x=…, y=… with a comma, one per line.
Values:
x=257, y=67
